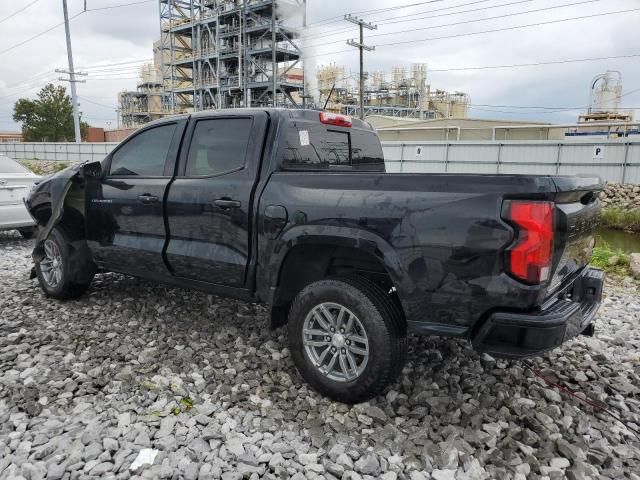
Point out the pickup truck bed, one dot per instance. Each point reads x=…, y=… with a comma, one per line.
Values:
x=308, y=222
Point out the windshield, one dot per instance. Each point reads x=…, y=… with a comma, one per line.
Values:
x=8, y=165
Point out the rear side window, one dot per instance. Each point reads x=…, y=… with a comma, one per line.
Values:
x=366, y=151
x=218, y=145
x=312, y=146
x=145, y=154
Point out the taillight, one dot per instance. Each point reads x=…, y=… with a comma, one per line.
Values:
x=336, y=119
x=529, y=259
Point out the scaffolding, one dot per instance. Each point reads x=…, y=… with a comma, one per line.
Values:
x=229, y=54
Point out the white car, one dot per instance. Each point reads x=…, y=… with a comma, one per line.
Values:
x=15, y=183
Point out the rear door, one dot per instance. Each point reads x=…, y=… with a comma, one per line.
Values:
x=209, y=204
x=125, y=221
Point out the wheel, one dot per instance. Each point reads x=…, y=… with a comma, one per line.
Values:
x=347, y=338
x=26, y=233
x=53, y=270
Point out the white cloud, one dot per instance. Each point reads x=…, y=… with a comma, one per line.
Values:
x=123, y=34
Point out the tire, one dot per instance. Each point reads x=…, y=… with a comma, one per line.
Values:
x=57, y=258
x=27, y=233
x=374, y=364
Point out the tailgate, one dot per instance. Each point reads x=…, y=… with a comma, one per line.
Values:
x=577, y=219
x=14, y=189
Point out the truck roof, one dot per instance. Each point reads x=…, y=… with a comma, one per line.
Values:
x=284, y=113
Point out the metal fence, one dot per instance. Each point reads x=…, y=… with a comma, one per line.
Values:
x=614, y=160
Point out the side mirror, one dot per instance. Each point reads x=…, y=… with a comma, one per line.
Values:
x=92, y=170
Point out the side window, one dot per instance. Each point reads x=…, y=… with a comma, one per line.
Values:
x=366, y=151
x=218, y=145
x=145, y=154
x=315, y=146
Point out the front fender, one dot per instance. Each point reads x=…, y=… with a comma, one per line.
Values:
x=53, y=190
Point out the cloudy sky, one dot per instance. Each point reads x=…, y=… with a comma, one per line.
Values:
x=453, y=37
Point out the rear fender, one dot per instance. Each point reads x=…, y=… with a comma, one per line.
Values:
x=322, y=236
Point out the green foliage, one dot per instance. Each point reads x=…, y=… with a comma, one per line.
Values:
x=187, y=403
x=40, y=167
x=621, y=219
x=601, y=259
x=48, y=118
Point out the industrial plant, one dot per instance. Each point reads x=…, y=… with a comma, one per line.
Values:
x=216, y=54
x=402, y=93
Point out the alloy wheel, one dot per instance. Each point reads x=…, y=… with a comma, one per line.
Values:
x=51, y=264
x=335, y=341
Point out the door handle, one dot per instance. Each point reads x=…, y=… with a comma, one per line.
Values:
x=226, y=203
x=147, y=198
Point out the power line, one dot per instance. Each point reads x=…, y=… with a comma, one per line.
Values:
x=340, y=30
x=465, y=22
x=39, y=77
x=533, y=64
x=119, y=6
x=389, y=21
x=90, y=67
x=71, y=18
x=85, y=99
x=506, y=15
x=37, y=35
x=516, y=27
x=18, y=11
x=398, y=7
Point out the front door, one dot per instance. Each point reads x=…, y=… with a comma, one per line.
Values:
x=125, y=221
x=209, y=202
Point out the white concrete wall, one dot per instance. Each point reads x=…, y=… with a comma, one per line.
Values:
x=57, y=152
x=615, y=160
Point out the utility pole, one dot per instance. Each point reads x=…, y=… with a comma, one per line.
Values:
x=362, y=47
x=72, y=75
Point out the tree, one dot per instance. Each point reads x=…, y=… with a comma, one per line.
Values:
x=49, y=118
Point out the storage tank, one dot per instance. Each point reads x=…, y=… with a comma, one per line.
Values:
x=419, y=73
x=606, y=90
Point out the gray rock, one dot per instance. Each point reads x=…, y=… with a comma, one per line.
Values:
x=74, y=399
x=335, y=469
x=232, y=476
x=570, y=451
x=110, y=444
x=443, y=475
x=634, y=265
x=368, y=464
x=307, y=458
x=344, y=460
x=234, y=446
x=101, y=469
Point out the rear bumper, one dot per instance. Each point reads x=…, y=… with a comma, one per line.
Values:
x=14, y=216
x=520, y=335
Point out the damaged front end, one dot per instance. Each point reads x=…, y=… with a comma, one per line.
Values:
x=59, y=200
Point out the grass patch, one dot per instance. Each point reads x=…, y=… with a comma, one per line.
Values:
x=41, y=167
x=187, y=403
x=621, y=219
x=601, y=258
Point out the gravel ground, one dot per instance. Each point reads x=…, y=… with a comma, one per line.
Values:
x=135, y=373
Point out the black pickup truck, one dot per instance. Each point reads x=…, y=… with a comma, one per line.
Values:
x=293, y=208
